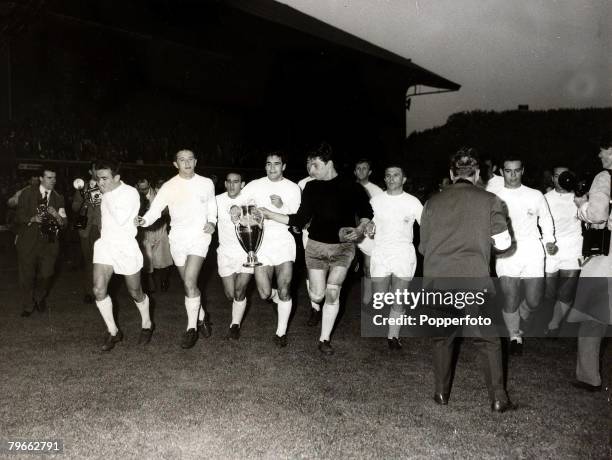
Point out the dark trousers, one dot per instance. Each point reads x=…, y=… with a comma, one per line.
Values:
x=489, y=355
x=37, y=261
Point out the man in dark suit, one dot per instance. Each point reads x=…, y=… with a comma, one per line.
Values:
x=458, y=226
x=40, y=214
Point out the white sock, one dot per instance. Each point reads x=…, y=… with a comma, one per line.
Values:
x=315, y=306
x=284, y=311
x=106, y=310
x=330, y=312
x=238, y=307
x=394, y=329
x=192, y=305
x=559, y=312
x=143, y=307
x=274, y=296
x=513, y=322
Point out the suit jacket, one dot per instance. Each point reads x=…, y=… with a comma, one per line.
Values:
x=456, y=229
x=28, y=234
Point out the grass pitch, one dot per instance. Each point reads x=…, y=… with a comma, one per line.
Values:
x=248, y=399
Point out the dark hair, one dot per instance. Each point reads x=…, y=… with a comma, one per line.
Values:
x=323, y=151
x=234, y=172
x=181, y=151
x=395, y=165
x=464, y=163
x=512, y=157
x=605, y=140
x=276, y=153
x=143, y=179
x=364, y=160
x=50, y=168
x=111, y=165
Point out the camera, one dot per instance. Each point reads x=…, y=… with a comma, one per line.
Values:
x=570, y=182
x=91, y=195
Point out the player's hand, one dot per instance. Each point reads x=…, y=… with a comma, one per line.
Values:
x=350, y=234
x=265, y=212
x=209, y=228
x=139, y=221
x=551, y=249
x=580, y=200
x=235, y=213
x=276, y=201
x=370, y=229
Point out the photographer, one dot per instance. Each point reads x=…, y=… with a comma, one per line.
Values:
x=40, y=214
x=86, y=204
x=592, y=304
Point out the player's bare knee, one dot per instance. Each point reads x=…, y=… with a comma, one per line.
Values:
x=99, y=292
x=264, y=293
x=316, y=296
x=136, y=294
x=284, y=291
x=332, y=294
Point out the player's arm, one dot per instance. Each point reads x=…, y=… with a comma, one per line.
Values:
x=418, y=210
x=424, y=235
x=211, y=210
x=499, y=226
x=547, y=226
x=155, y=210
x=302, y=214
x=363, y=211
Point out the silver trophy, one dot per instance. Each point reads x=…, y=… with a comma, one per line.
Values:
x=248, y=222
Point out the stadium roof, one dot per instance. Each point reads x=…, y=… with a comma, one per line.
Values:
x=292, y=18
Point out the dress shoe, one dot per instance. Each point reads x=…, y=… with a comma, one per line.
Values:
x=145, y=335
x=204, y=327
x=325, y=347
x=394, y=343
x=314, y=317
x=280, y=341
x=441, y=398
x=111, y=340
x=516, y=348
x=502, y=406
x=234, y=332
x=190, y=338
x=586, y=386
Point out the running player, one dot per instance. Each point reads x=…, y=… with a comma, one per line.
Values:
x=117, y=251
x=193, y=216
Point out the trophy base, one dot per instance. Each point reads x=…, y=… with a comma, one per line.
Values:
x=251, y=264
